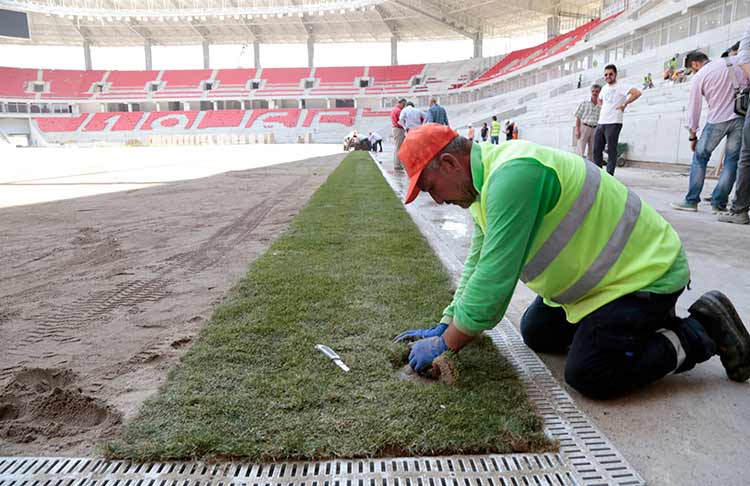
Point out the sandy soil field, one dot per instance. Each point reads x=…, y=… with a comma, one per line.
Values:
x=100, y=295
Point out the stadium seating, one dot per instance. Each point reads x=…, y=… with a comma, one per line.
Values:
x=284, y=77
x=15, y=81
x=222, y=119
x=232, y=82
x=69, y=84
x=344, y=116
x=127, y=84
x=186, y=78
x=288, y=118
x=525, y=57
x=60, y=124
x=338, y=76
x=166, y=121
x=117, y=121
x=170, y=119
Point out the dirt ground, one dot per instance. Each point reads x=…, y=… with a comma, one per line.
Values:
x=101, y=295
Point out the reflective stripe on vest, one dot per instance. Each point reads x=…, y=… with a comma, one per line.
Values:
x=609, y=254
x=567, y=227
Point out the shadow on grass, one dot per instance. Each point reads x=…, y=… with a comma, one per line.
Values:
x=351, y=272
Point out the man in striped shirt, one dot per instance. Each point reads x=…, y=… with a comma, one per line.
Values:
x=587, y=116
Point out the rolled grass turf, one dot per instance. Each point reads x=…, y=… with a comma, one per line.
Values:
x=351, y=272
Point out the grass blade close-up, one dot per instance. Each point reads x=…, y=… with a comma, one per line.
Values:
x=351, y=272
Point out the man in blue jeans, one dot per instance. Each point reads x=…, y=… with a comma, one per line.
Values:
x=741, y=202
x=715, y=81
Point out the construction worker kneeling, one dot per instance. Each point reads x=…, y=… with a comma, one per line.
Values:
x=606, y=267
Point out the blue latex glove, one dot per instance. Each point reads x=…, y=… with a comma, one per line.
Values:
x=421, y=333
x=424, y=351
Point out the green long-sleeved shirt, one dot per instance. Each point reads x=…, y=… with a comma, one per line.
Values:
x=520, y=194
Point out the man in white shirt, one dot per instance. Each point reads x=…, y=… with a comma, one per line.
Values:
x=375, y=140
x=613, y=99
x=411, y=117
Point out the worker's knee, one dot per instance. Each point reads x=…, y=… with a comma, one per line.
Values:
x=533, y=336
x=588, y=383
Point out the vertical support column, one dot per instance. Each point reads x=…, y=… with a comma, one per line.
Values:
x=87, y=54
x=553, y=26
x=394, y=51
x=478, y=39
x=206, y=55
x=147, y=50
x=310, y=51
x=328, y=103
x=256, y=53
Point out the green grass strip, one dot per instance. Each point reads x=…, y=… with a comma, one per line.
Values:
x=351, y=272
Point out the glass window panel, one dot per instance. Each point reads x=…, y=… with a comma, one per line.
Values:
x=727, y=13
x=742, y=10
x=709, y=20
x=679, y=30
x=637, y=46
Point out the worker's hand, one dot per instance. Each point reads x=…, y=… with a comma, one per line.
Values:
x=693, y=143
x=413, y=334
x=621, y=107
x=578, y=132
x=424, y=352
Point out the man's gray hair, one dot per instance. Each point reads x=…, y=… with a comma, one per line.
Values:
x=457, y=145
x=596, y=86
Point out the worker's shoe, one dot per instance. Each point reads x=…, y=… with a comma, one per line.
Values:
x=719, y=318
x=684, y=206
x=719, y=210
x=736, y=218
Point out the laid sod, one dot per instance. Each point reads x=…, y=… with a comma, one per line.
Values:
x=351, y=272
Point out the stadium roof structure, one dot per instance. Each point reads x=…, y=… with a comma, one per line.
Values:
x=182, y=22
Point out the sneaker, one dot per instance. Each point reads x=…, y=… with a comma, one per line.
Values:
x=718, y=210
x=684, y=206
x=719, y=318
x=736, y=218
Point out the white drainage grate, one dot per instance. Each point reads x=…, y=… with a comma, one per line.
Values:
x=487, y=470
x=593, y=458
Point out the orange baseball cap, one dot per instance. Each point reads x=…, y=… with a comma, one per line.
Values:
x=422, y=144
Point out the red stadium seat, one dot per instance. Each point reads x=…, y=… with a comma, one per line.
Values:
x=278, y=77
x=69, y=84
x=222, y=119
x=344, y=116
x=525, y=57
x=122, y=80
x=338, y=76
x=59, y=124
x=170, y=119
x=288, y=118
x=15, y=81
x=122, y=121
x=185, y=78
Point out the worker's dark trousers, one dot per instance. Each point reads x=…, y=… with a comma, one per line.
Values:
x=608, y=134
x=618, y=347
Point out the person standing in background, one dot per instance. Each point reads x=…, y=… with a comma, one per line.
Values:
x=436, y=113
x=484, y=132
x=587, y=116
x=495, y=130
x=613, y=99
x=470, y=133
x=398, y=132
x=741, y=202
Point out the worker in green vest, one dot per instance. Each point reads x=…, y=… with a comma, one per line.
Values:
x=607, y=268
x=495, y=131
